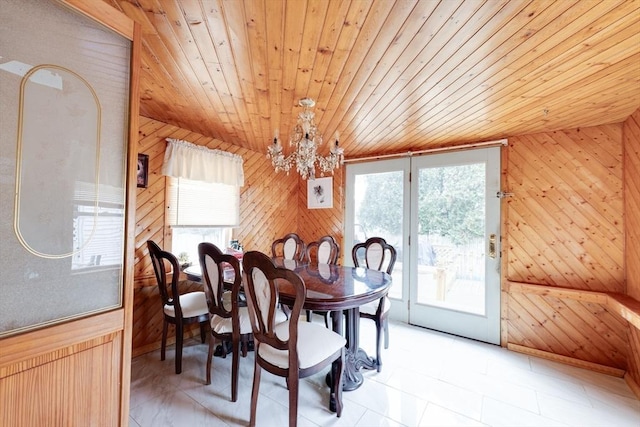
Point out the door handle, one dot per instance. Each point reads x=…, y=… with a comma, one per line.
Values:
x=492, y=246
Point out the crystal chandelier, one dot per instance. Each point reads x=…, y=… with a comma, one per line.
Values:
x=306, y=139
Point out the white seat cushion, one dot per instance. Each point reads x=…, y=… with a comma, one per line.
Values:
x=193, y=304
x=315, y=343
x=222, y=325
x=372, y=307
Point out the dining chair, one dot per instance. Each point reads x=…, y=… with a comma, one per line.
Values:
x=289, y=349
x=375, y=253
x=323, y=251
x=228, y=320
x=178, y=309
x=290, y=246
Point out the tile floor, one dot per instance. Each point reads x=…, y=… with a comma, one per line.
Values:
x=428, y=379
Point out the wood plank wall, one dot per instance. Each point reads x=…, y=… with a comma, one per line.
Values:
x=632, y=202
x=631, y=140
x=266, y=213
x=565, y=229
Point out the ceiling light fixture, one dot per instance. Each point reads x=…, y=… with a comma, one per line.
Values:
x=306, y=139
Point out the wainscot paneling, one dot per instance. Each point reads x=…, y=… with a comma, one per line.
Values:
x=564, y=229
x=266, y=213
x=64, y=375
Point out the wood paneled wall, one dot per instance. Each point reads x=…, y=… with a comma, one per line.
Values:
x=564, y=222
x=266, y=213
x=632, y=203
x=631, y=141
x=564, y=228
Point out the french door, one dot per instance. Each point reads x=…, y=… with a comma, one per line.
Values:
x=455, y=234
x=442, y=214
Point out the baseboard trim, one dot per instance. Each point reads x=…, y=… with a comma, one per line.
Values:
x=568, y=360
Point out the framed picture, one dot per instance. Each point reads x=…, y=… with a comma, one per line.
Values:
x=143, y=170
x=320, y=193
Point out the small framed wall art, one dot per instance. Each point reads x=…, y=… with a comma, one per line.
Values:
x=143, y=170
x=320, y=193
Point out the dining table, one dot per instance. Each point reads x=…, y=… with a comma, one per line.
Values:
x=337, y=289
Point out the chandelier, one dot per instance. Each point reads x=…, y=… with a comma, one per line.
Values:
x=306, y=139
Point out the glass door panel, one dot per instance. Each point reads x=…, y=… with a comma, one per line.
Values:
x=451, y=224
x=377, y=202
x=455, y=281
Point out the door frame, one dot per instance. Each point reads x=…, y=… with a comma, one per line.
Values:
x=400, y=308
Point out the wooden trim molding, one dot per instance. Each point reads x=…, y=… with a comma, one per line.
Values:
x=622, y=305
x=567, y=360
x=635, y=388
x=618, y=304
x=105, y=14
x=19, y=348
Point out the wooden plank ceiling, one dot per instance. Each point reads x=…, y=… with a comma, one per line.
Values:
x=390, y=76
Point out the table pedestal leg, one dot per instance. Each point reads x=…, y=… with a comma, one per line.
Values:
x=355, y=357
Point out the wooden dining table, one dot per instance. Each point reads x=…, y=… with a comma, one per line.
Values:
x=336, y=289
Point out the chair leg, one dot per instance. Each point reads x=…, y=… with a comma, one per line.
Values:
x=244, y=345
x=308, y=315
x=165, y=326
x=337, y=371
x=385, y=322
x=378, y=343
x=179, y=332
x=212, y=343
x=235, y=363
x=203, y=331
x=257, y=370
x=293, y=381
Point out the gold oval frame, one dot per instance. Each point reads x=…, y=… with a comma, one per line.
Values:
x=16, y=222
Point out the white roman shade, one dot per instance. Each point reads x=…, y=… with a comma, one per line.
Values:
x=204, y=189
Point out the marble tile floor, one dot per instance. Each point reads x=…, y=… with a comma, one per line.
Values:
x=428, y=379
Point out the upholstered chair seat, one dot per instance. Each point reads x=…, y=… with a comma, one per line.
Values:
x=193, y=304
x=315, y=344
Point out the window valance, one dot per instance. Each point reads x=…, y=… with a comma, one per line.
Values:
x=183, y=159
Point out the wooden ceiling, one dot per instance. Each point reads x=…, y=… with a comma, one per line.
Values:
x=391, y=76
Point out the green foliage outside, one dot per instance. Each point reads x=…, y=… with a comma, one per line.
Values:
x=451, y=203
x=381, y=207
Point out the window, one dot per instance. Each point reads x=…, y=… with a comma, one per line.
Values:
x=198, y=203
x=185, y=241
x=203, y=196
x=200, y=212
